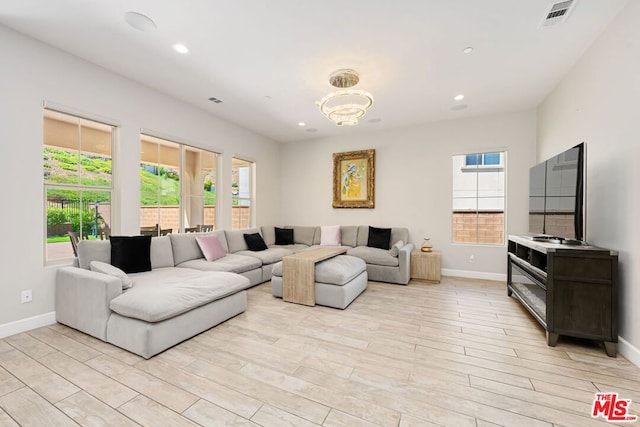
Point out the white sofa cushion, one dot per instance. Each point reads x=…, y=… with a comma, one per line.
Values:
x=93, y=250
x=268, y=256
x=161, y=252
x=374, y=256
x=104, y=268
x=167, y=292
x=233, y=263
x=235, y=239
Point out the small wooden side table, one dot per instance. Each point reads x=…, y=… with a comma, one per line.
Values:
x=425, y=266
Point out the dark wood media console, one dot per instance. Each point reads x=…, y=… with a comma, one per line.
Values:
x=570, y=290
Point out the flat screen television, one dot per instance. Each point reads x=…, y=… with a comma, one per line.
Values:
x=557, y=197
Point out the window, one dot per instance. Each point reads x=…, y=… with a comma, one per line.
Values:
x=478, y=198
x=241, y=193
x=78, y=181
x=177, y=186
x=483, y=159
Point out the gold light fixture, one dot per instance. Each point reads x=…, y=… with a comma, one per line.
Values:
x=345, y=106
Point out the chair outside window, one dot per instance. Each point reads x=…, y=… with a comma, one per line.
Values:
x=152, y=230
x=191, y=229
x=205, y=228
x=74, y=237
x=165, y=231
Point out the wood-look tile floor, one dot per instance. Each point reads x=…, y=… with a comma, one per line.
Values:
x=458, y=353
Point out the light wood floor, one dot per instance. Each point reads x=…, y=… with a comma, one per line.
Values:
x=459, y=353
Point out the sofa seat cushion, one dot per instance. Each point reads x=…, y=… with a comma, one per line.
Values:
x=233, y=263
x=165, y=293
x=338, y=270
x=374, y=256
x=295, y=248
x=268, y=256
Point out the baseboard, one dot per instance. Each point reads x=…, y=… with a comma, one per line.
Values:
x=474, y=274
x=27, y=324
x=629, y=351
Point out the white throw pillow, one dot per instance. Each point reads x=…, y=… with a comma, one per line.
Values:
x=395, y=249
x=330, y=235
x=104, y=268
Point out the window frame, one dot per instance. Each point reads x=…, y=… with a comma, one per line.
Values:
x=79, y=187
x=252, y=190
x=181, y=146
x=478, y=169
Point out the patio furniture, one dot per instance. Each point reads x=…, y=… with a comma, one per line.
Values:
x=205, y=228
x=74, y=237
x=165, y=231
x=151, y=230
x=191, y=229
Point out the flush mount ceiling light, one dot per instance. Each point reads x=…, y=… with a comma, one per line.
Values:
x=139, y=21
x=345, y=106
x=180, y=48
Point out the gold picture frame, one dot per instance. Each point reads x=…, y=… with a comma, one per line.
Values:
x=354, y=179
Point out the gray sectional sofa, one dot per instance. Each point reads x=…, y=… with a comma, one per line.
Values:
x=184, y=294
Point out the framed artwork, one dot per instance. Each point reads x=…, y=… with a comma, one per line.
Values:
x=354, y=179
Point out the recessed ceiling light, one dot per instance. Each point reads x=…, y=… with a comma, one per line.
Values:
x=467, y=50
x=139, y=21
x=459, y=107
x=374, y=120
x=311, y=130
x=459, y=97
x=301, y=124
x=180, y=48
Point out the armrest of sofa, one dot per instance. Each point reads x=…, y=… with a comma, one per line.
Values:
x=83, y=298
x=404, y=260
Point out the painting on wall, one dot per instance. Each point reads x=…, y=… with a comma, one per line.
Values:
x=354, y=179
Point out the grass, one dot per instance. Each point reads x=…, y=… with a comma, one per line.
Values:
x=58, y=239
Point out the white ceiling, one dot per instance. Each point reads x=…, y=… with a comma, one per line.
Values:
x=269, y=60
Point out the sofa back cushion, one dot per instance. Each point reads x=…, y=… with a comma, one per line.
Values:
x=349, y=235
x=93, y=250
x=303, y=234
x=399, y=233
x=268, y=234
x=161, y=252
x=235, y=239
x=363, y=235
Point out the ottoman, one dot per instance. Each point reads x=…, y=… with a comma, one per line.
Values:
x=338, y=280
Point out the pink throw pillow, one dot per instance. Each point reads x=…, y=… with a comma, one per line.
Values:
x=211, y=247
x=330, y=235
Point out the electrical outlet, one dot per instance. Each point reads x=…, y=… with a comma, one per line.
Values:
x=26, y=296
x=472, y=258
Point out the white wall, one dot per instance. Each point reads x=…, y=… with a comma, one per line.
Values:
x=597, y=102
x=414, y=182
x=32, y=72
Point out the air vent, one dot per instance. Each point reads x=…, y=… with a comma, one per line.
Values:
x=558, y=13
x=216, y=100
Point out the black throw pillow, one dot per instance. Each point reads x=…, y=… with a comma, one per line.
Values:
x=131, y=254
x=284, y=236
x=379, y=238
x=255, y=242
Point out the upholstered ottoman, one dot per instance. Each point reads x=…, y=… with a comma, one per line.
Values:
x=339, y=280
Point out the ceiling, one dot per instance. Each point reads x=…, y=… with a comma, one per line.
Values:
x=269, y=61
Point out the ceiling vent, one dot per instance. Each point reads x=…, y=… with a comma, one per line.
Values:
x=216, y=100
x=558, y=13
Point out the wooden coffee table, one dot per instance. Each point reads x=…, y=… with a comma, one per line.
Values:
x=299, y=272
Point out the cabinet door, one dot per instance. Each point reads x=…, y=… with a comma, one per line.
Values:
x=583, y=309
